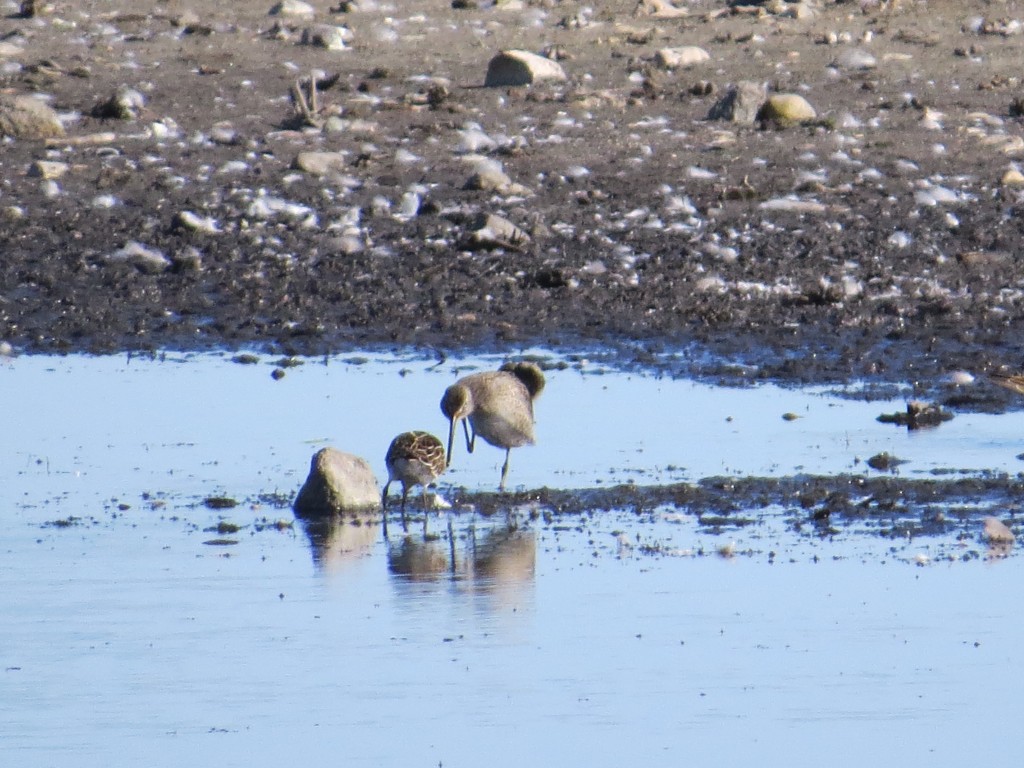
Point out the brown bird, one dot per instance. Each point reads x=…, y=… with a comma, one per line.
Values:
x=413, y=458
x=1014, y=381
x=497, y=405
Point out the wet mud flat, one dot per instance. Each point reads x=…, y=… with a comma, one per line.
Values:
x=236, y=434
x=875, y=242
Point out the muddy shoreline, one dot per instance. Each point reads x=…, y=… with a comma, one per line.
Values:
x=877, y=243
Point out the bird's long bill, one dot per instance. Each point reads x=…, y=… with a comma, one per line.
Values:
x=451, y=440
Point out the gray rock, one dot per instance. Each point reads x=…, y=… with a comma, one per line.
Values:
x=740, y=104
x=492, y=231
x=125, y=104
x=321, y=163
x=25, y=117
x=327, y=36
x=337, y=482
x=512, y=68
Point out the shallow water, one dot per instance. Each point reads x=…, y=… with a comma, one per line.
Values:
x=608, y=639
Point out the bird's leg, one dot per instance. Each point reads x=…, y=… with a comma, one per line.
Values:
x=405, y=497
x=384, y=508
x=470, y=441
x=451, y=541
x=504, y=470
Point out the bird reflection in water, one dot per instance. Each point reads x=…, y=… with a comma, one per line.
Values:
x=498, y=561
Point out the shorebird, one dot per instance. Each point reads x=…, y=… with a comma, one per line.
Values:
x=497, y=405
x=413, y=458
x=1014, y=381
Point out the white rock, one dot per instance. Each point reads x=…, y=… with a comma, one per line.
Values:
x=143, y=257
x=680, y=58
x=269, y=206
x=855, y=59
x=793, y=205
x=515, y=67
x=105, y=201
x=295, y=8
x=197, y=223
x=659, y=9
x=409, y=206
x=472, y=140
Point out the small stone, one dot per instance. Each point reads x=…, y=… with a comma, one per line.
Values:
x=48, y=169
x=515, y=68
x=786, y=109
x=321, y=163
x=337, y=482
x=680, y=58
x=327, y=36
x=294, y=8
x=740, y=103
x=26, y=117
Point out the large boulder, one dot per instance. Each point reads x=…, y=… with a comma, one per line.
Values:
x=338, y=482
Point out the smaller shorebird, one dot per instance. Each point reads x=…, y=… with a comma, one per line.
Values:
x=1014, y=381
x=497, y=405
x=413, y=458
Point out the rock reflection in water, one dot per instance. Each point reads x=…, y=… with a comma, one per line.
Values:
x=339, y=540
